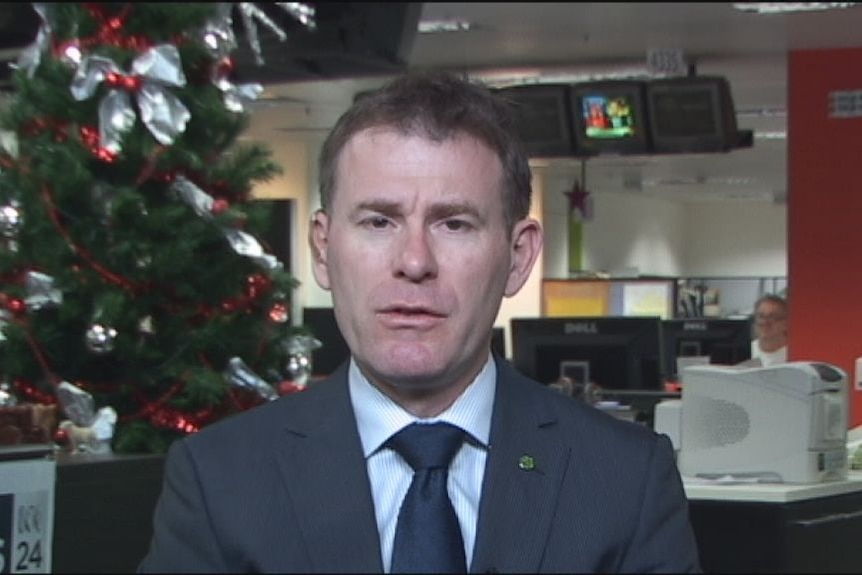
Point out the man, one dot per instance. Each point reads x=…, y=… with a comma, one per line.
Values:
x=770, y=325
x=424, y=228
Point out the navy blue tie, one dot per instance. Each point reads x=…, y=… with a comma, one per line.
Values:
x=427, y=536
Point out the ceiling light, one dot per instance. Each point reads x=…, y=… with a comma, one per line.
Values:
x=699, y=181
x=575, y=78
x=450, y=25
x=790, y=7
x=520, y=77
x=763, y=112
x=770, y=135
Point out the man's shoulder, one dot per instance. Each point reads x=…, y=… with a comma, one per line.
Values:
x=268, y=420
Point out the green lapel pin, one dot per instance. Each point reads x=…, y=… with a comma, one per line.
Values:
x=527, y=463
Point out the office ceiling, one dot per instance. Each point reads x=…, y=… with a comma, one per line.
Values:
x=557, y=39
x=549, y=41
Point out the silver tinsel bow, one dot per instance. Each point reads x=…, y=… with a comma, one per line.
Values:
x=161, y=111
x=245, y=245
x=31, y=56
x=237, y=373
x=217, y=35
x=5, y=316
x=233, y=95
x=242, y=243
x=250, y=15
x=78, y=404
x=41, y=291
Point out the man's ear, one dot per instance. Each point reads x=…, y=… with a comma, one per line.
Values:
x=318, y=238
x=526, y=246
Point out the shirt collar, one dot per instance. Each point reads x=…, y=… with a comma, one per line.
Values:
x=378, y=417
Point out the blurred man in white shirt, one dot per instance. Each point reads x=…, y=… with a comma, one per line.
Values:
x=770, y=324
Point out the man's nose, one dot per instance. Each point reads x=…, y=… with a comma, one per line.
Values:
x=416, y=259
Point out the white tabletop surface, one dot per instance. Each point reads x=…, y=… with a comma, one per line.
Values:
x=705, y=490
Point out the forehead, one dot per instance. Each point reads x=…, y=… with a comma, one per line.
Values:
x=383, y=153
x=770, y=306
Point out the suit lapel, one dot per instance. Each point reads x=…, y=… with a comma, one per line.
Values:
x=326, y=477
x=525, y=467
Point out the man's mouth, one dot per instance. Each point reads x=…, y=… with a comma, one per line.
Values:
x=409, y=316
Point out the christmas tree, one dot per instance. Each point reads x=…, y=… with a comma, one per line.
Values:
x=132, y=273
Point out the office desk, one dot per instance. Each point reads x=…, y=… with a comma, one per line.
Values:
x=103, y=510
x=778, y=528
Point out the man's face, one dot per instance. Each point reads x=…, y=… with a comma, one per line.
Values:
x=415, y=251
x=770, y=321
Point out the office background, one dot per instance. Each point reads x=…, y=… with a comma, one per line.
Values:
x=811, y=239
x=628, y=232
x=784, y=71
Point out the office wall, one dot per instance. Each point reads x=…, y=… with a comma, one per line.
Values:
x=659, y=237
x=736, y=238
x=825, y=198
x=627, y=232
x=297, y=161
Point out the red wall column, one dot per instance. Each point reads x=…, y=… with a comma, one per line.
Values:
x=825, y=214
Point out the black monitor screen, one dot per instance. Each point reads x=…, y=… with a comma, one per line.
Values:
x=723, y=341
x=691, y=114
x=620, y=353
x=320, y=321
x=542, y=118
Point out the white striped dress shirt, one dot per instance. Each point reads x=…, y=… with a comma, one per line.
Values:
x=378, y=418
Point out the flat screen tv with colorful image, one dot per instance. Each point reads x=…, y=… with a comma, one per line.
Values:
x=610, y=117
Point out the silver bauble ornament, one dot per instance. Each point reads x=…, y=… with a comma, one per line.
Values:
x=100, y=338
x=299, y=350
x=7, y=397
x=10, y=220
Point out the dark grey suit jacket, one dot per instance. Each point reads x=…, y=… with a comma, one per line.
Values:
x=283, y=488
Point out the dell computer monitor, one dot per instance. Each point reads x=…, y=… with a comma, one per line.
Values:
x=723, y=341
x=615, y=353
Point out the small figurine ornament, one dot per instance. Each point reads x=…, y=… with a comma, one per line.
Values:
x=86, y=430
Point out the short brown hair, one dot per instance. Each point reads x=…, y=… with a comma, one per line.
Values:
x=438, y=106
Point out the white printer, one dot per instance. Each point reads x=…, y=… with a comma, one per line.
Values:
x=783, y=423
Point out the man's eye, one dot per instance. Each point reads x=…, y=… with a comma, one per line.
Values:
x=456, y=225
x=377, y=222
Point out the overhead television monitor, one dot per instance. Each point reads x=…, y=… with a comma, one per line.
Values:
x=542, y=117
x=723, y=341
x=692, y=114
x=610, y=117
x=320, y=321
x=615, y=353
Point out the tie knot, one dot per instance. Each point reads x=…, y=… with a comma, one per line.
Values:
x=427, y=446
